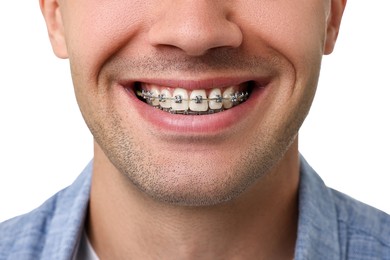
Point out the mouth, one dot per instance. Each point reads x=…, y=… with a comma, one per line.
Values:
x=196, y=107
x=199, y=101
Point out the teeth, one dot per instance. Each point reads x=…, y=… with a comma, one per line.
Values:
x=197, y=103
x=216, y=99
x=198, y=100
x=180, y=101
x=227, y=95
x=155, y=93
x=165, y=99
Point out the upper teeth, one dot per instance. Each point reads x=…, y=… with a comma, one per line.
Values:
x=180, y=102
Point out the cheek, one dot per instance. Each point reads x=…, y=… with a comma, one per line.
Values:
x=97, y=29
x=295, y=29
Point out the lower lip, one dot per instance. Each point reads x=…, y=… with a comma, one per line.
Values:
x=196, y=124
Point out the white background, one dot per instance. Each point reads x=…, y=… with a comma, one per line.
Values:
x=44, y=143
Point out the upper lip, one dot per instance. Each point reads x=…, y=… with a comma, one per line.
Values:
x=197, y=84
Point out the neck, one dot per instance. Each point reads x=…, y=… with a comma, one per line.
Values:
x=260, y=224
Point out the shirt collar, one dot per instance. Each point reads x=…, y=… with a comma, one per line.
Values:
x=68, y=219
x=317, y=225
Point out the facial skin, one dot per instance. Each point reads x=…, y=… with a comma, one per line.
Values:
x=279, y=43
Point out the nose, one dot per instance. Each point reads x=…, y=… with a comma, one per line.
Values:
x=195, y=27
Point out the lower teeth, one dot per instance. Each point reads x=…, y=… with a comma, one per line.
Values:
x=235, y=99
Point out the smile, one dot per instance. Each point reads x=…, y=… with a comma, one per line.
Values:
x=195, y=107
x=193, y=102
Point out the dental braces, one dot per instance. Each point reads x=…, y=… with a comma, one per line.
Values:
x=190, y=112
x=235, y=98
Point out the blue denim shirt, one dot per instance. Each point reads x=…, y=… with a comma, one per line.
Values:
x=331, y=225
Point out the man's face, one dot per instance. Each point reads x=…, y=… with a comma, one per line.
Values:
x=208, y=51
